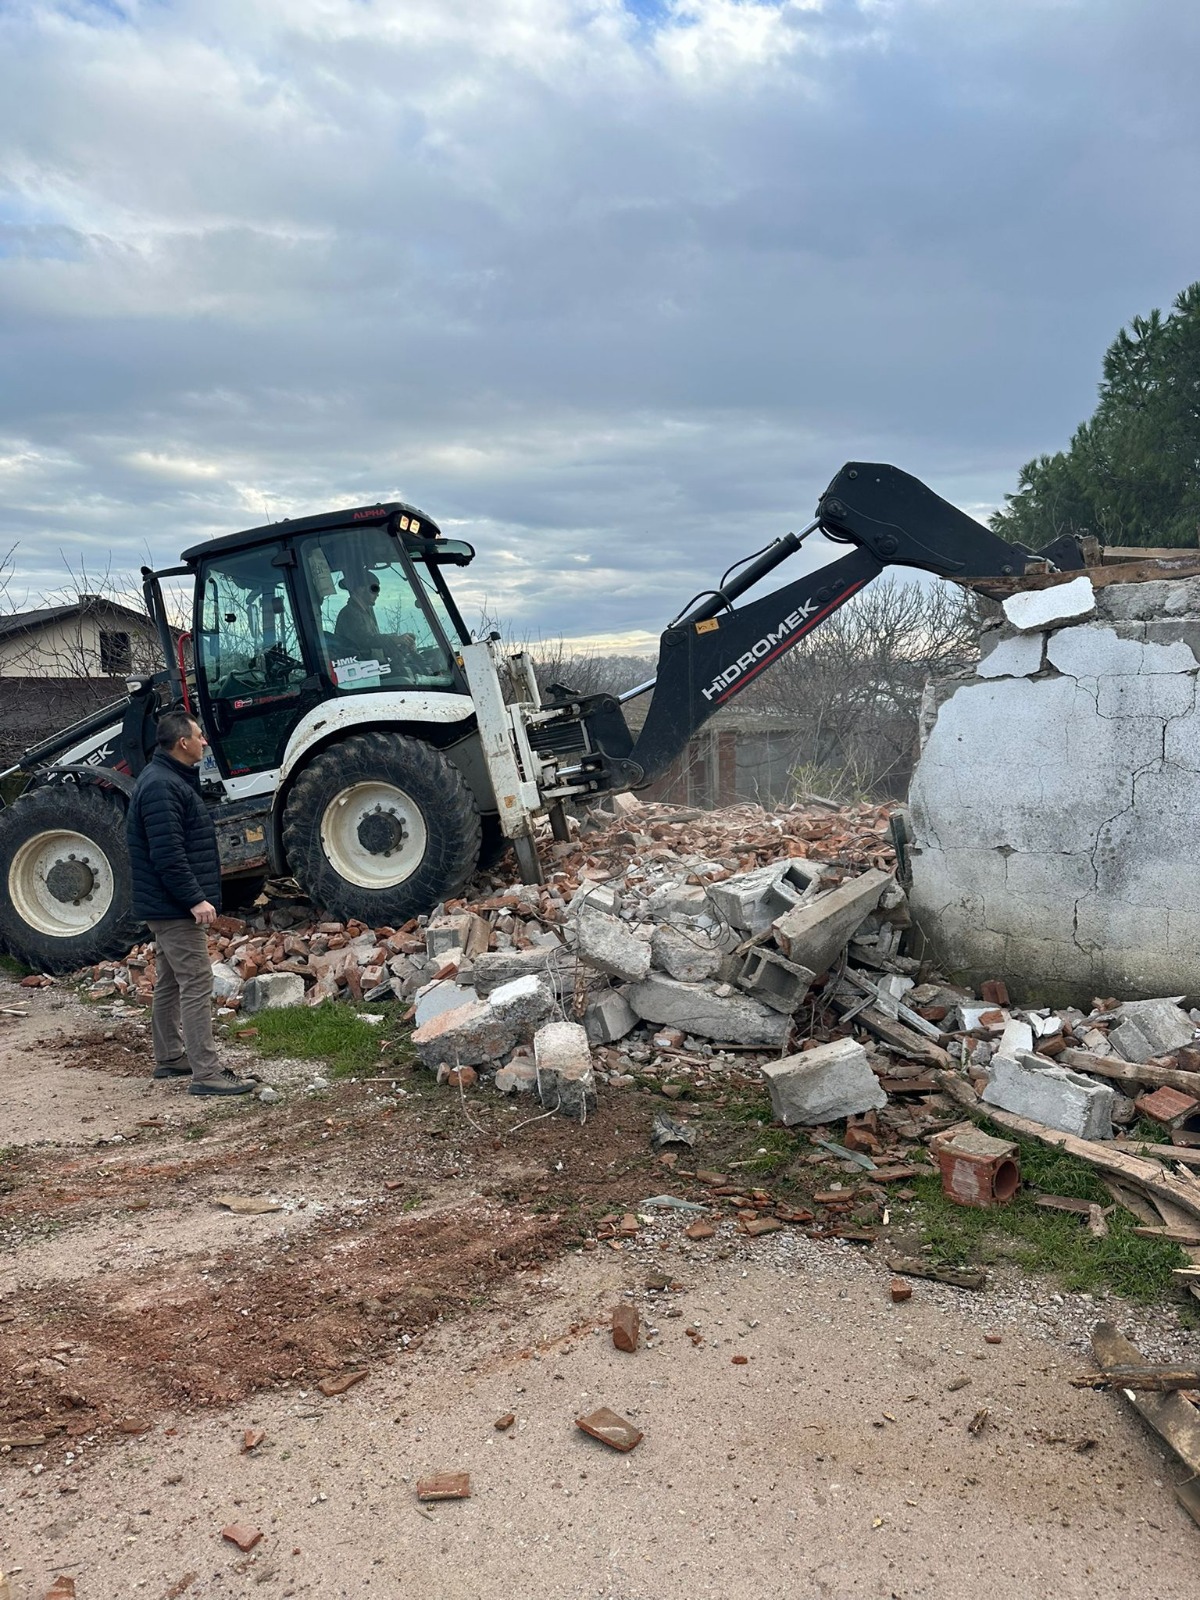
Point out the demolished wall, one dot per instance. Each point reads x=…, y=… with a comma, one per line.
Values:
x=1056, y=802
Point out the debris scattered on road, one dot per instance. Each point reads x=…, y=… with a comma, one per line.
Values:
x=958, y=1277
x=626, y=1325
x=247, y=1205
x=242, y=1535
x=251, y=1439
x=445, y=1486
x=343, y=1381
x=613, y=1430
x=502, y=1424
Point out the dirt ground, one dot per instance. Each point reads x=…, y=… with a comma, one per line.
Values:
x=451, y=1256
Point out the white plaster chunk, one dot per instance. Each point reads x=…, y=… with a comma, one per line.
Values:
x=1156, y=697
x=1042, y=608
x=1013, y=658
x=1094, y=651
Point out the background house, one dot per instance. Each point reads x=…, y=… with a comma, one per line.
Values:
x=58, y=663
x=736, y=755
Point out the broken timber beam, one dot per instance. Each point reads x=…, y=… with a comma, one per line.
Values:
x=1131, y=1375
x=1173, y=1418
x=1132, y=1072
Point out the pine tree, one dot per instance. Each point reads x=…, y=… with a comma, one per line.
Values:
x=1131, y=474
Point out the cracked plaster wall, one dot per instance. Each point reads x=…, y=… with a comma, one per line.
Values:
x=1056, y=804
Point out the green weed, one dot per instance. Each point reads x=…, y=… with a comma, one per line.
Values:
x=330, y=1032
x=1055, y=1243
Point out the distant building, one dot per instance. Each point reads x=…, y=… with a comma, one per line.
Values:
x=736, y=755
x=58, y=663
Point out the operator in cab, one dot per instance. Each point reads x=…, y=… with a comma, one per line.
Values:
x=357, y=633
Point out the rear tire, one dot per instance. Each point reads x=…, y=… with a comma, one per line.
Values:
x=66, y=893
x=381, y=827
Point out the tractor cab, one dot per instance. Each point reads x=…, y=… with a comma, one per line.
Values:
x=318, y=608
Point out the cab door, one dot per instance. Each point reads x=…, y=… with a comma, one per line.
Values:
x=253, y=674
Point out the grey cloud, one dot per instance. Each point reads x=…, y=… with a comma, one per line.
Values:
x=565, y=296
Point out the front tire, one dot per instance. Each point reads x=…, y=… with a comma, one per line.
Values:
x=381, y=827
x=64, y=870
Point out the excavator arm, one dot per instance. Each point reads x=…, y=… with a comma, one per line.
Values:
x=710, y=653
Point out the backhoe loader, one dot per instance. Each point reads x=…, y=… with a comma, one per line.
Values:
x=361, y=740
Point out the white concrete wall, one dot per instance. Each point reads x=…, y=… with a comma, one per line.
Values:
x=1056, y=804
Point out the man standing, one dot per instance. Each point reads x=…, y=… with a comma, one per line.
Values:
x=177, y=890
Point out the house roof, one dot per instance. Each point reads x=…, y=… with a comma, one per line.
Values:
x=25, y=621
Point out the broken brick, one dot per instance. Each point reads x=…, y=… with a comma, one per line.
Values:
x=502, y=1424
x=611, y=1429
x=251, y=1439
x=242, y=1535
x=901, y=1290
x=699, y=1230
x=343, y=1381
x=445, y=1486
x=626, y=1325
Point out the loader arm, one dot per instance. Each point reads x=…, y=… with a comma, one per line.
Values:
x=711, y=653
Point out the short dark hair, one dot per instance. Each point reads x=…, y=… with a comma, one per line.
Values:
x=173, y=726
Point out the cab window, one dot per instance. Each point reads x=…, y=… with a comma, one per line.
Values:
x=372, y=629
x=250, y=657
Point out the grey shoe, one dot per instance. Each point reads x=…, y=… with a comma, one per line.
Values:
x=172, y=1069
x=227, y=1083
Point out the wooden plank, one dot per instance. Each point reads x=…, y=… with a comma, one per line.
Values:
x=1171, y=1416
x=1160, y=1152
x=959, y=1278
x=1136, y=1204
x=1170, y=1235
x=1134, y=1073
x=1135, y=1375
x=1182, y=564
x=898, y=1037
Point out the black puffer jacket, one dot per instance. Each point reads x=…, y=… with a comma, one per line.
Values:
x=172, y=843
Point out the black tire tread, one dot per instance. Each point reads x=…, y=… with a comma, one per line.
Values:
x=96, y=813
x=437, y=786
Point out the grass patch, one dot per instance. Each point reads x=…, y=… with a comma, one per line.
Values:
x=14, y=968
x=330, y=1032
x=1054, y=1243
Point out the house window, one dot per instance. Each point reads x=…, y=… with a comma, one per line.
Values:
x=116, y=655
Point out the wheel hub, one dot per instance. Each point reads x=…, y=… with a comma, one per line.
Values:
x=71, y=881
x=61, y=883
x=373, y=834
x=380, y=832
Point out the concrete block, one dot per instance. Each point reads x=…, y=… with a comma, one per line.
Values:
x=466, y=1037
x=495, y=967
x=751, y=901
x=525, y=1002
x=692, y=957
x=778, y=983
x=678, y=900
x=563, y=1060
x=596, y=897
x=461, y=931
x=1041, y=608
x=442, y=995
x=607, y=945
x=227, y=984
x=271, y=990
x=1150, y=1028
x=609, y=1017
x=1018, y=657
x=731, y=1019
x=1055, y=1096
x=823, y=1085
x=813, y=935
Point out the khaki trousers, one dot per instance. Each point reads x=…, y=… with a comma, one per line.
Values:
x=181, y=1020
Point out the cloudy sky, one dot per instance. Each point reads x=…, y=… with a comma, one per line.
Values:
x=609, y=287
